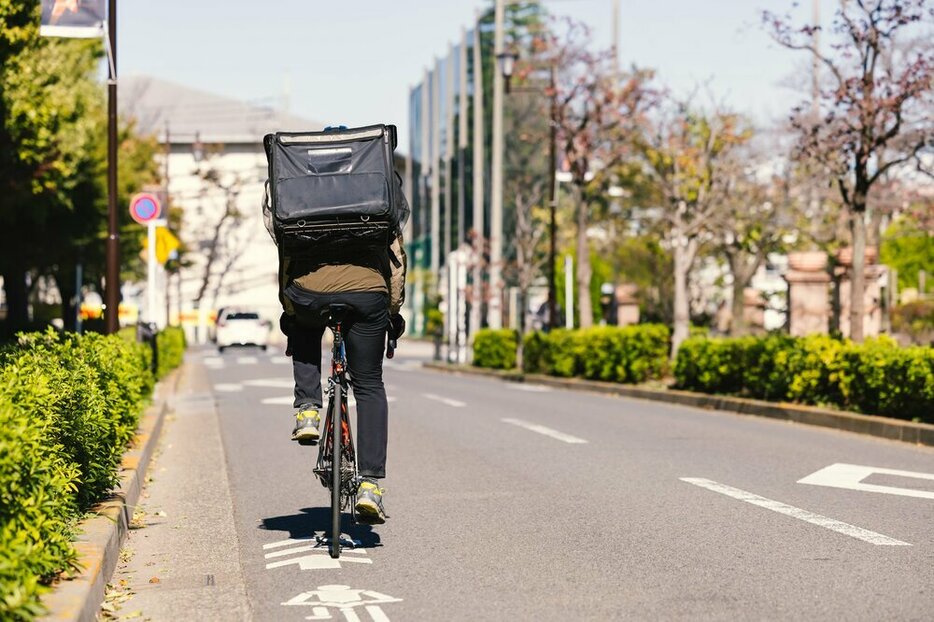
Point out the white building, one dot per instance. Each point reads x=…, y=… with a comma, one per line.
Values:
x=216, y=169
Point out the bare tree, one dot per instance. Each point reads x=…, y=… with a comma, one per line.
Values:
x=220, y=240
x=596, y=110
x=691, y=157
x=753, y=218
x=875, y=108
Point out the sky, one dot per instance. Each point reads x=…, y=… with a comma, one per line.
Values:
x=352, y=62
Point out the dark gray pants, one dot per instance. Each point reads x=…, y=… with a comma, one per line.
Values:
x=365, y=337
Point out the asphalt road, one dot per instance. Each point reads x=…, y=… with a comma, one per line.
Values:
x=512, y=502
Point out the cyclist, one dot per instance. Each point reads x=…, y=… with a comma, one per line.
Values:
x=373, y=285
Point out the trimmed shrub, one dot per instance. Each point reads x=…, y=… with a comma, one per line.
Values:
x=69, y=405
x=876, y=377
x=170, y=343
x=629, y=354
x=495, y=349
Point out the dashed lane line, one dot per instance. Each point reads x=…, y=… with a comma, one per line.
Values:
x=789, y=510
x=444, y=400
x=555, y=434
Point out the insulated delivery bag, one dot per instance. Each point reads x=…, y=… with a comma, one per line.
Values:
x=333, y=187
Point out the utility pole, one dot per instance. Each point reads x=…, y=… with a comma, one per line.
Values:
x=448, y=151
x=494, y=311
x=552, y=202
x=435, y=161
x=478, y=189
x=112, y=272
x=616, y=40
x=462, y=142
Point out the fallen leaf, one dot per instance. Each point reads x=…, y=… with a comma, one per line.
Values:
x=155, y=580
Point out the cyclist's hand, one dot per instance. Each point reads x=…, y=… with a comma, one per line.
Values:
x=396, y=326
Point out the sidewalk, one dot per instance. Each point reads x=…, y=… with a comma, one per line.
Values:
x=184, y=555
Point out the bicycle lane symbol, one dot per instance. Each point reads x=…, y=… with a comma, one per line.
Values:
x=345, y=600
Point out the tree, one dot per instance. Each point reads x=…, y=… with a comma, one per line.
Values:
x=597, y=109
x=753, y=218
x=874, y=109
x=690, y=155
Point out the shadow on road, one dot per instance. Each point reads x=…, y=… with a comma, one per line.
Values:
x=314, y=521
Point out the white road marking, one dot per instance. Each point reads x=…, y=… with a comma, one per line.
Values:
x=213, y=360
x=277, y=383
x=788, y=510
x=280, y=360
x=390, y=400
x=306, y=548
x=247, y=360
x=345, y=600
x=284, y=401
x=279, y=401
x=531, y=388
x=444, y=400
x=322, y=561
x=534, y=427
x=289, y=542
x=851, y=476
x=228, y=387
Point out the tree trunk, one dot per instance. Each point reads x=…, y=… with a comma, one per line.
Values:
x=682, y=323
x=17, y=299
x=857, y=280
x=65, y=282
x=585, y=310
x=738, y=307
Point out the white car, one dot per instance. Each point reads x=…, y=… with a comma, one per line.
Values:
x=241, y=328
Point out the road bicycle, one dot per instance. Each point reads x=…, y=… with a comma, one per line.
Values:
x=344, y=480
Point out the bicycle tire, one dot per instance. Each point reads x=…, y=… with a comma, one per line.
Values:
x=336, y=428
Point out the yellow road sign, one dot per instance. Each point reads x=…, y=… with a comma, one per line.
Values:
x=166, y=243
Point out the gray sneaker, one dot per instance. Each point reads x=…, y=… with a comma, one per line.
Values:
x=307, y=421
x=369, y=507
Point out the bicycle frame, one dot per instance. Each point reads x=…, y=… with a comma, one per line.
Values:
x=346, y=476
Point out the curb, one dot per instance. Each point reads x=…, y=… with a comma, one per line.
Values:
x=79, y=597
x=869, y=425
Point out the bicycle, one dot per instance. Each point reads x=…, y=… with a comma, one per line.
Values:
x=344, y=480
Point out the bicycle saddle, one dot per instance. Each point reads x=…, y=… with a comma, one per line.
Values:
x=336, y=313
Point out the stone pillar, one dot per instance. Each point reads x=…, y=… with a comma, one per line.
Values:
x=627, y=307
x=808, y=293
x=874, y=275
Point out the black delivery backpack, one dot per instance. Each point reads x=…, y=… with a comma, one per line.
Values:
x=332, y=187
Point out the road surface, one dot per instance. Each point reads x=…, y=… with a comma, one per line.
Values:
x=520, y=502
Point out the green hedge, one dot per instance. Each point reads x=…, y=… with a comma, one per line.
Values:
x=69, y=405
x=629, y=354
x=171, y=345
x=495, y=349
x=876, y=377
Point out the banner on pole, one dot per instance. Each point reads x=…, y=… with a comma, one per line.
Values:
x=83, y=19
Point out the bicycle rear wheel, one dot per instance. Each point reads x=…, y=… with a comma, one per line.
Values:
x=336, y=428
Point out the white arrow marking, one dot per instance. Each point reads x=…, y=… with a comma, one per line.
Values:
x=444, y=400
x=851, y=476
x=789, y=510
x=289, y=542
x=303, y=549
x=561, y=436
x=318, y=562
